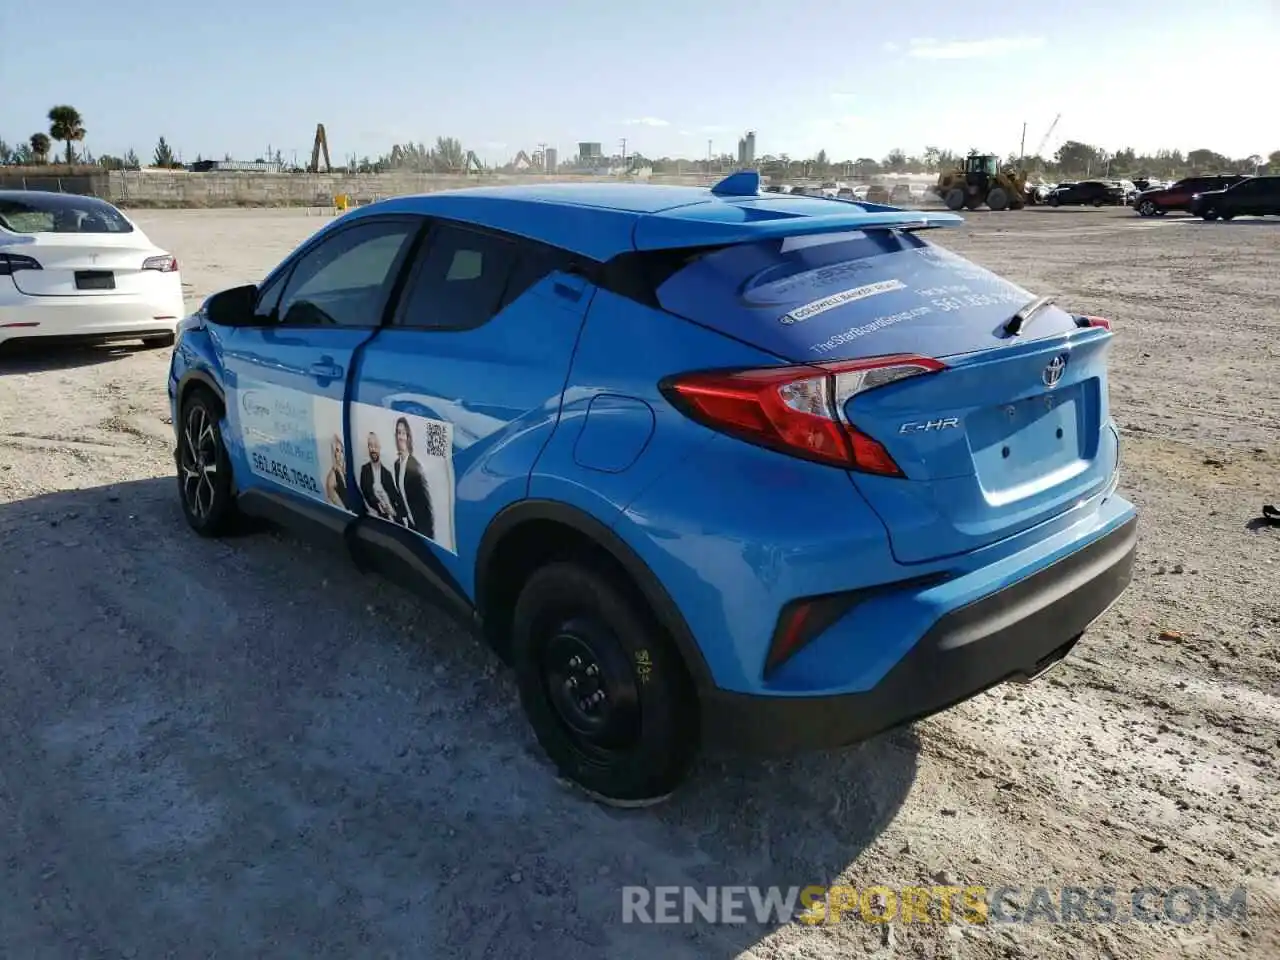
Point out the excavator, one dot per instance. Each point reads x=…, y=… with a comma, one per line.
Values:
x=981, y=180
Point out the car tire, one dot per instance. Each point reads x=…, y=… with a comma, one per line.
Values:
x=605, y=690
x=204, y=469
x=160, y=340
x=1146, y=209
x=1208, y=213
x=1097, y=202
x=1054, y=201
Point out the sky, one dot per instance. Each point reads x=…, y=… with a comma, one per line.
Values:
x=854, y=79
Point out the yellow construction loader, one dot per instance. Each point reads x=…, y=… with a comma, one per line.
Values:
x=981, y=181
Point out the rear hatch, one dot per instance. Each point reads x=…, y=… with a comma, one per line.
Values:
x=1010, y=434
x=85, y=264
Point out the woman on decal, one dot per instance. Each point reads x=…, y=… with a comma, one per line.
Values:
x=335, y=479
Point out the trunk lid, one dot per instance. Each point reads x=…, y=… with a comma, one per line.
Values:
x=1012, y=433
x=63, y=256
x=992, y=445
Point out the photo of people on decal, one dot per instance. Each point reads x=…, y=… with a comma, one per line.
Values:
x=397, y=491
x=404, y=470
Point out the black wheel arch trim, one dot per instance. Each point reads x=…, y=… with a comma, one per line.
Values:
x=198, y=377
x=646, y=581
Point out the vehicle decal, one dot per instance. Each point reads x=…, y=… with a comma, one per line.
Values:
x=879, y=323
x=292, y=438
x=800, y=314
x=404, y=470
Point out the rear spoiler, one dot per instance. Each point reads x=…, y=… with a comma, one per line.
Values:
x=668, y=230
x=658, y=232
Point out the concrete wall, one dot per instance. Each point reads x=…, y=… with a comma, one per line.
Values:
x=179, y=188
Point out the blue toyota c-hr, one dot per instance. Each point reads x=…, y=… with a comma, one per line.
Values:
x=705, y=466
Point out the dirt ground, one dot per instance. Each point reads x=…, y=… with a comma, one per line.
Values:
x=246, y=748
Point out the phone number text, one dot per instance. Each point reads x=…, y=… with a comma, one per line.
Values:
x=284, y=473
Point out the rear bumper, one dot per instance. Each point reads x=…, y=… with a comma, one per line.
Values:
x=1012, y=634
x=89, y=319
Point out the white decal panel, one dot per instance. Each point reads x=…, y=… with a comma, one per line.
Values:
x=294, y=439
x=404, y=470
x=800, y=314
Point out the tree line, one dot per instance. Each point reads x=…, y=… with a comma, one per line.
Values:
x=1073, y=159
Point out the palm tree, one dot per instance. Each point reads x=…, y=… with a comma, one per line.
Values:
x=40, y=146
x=66, y=124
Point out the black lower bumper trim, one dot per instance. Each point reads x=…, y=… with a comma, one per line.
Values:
x=1013, y=634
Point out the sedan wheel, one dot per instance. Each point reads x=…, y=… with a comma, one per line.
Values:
x=1147, y=209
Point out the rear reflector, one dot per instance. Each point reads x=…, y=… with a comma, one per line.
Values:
x=798, y=410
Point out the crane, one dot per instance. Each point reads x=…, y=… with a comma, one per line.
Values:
x=1045, y=139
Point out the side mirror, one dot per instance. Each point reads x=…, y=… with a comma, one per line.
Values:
x=232, y=308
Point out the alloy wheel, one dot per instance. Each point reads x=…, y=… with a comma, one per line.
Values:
x=198, y=462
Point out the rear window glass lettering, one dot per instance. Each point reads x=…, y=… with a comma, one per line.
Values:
x=879, y=323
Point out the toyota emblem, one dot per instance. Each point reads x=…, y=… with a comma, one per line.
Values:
x=1053, y=372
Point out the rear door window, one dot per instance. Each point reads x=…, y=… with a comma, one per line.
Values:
x=460, y=280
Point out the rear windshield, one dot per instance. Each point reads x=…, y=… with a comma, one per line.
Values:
x=60, y=213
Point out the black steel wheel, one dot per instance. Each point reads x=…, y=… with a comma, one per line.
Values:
x=604, y=688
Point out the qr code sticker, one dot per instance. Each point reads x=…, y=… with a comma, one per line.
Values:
x=437, y=440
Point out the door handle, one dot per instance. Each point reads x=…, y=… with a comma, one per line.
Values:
x=326, y=369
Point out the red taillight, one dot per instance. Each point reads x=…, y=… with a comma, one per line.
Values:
x=1102, y=322
x=165, y=263
x=800, y=409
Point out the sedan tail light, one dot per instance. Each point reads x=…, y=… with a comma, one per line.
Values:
x=11, y=263
x=165, y=264
x=1086, y=321
x=798, y=410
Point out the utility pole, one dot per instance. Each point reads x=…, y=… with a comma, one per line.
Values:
x=1022, y=147
x=542, y=149
x=623, y=141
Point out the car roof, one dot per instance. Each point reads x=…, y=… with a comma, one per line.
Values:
x=603, y=220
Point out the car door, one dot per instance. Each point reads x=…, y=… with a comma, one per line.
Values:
x=458, y=394
x=286, y=374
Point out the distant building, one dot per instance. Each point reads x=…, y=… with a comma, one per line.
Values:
x=550, y=160
x=747, y=150
x=235, y=166
x=590, y=152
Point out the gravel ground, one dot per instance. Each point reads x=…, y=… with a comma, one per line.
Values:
x=248, y=749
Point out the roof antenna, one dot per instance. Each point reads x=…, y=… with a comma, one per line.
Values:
x=744, y=183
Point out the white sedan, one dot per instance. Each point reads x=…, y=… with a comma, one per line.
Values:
x=77, y=269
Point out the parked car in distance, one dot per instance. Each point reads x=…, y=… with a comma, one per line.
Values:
x=1252, y=197
x=901, y=195
x=1095, y=193
x=699, y=473
x=1157, y=201
x=75, y=269
x=877, y=193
